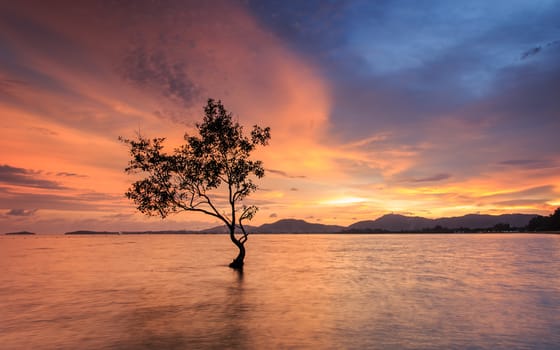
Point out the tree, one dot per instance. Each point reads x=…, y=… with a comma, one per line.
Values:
x=196, y=176
x=545, y=223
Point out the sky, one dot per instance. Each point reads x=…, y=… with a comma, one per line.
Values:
x=426, y=108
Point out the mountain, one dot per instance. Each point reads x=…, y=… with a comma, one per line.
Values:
x=395, y=222
x=481, y=221
x=389, y=222
x=297, y=226
x=283, y=226
x=224, y=229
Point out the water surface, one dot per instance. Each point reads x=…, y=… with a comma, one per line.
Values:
x=297, y=291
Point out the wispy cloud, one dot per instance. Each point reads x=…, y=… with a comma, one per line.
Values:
x=537, y=49
x=521, y=202
x=531, y=52
x=44, y=131
x=61, y=200
x=8, y=86
x=285, y=174
x=67, y=174
x=26, y=178
x=155, y=71
x=21, y=212
x=546, y=191
x=530, y=163
x=433, y=178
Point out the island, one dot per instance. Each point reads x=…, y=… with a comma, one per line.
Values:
x=85, y=232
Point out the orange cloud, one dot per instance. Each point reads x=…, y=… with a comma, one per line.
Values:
x=95, y=90
x=92, y=73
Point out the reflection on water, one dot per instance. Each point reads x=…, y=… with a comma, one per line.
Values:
x=297, y=291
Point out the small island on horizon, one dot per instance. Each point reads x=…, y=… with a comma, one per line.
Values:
x=20, y=233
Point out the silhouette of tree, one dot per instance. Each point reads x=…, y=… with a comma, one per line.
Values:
x=555, y=220
x=545, y=223
x=537, y=223
x=197, y=175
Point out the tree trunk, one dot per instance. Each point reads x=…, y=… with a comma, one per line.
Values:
x=237, y=263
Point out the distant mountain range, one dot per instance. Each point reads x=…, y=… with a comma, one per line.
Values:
x=389, y=222
x=395, y=222
x=385, y=223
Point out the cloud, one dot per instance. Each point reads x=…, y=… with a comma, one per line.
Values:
x=66, y=174
x=434, y=178
x=533, y=193
x=156, y=71
x=530, y=163
x=537, y=49
x=522, y=162
x=66, y=201
x=426, y=92
x=312, y=25
x=118, y=216
x=44, y=131
x=21, y=212
x=521, y=202
x=26, y=178
x=531, y=52
x=273, y=215
x=285, y=174
x=8, y=86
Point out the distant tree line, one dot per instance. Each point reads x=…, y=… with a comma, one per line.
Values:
x=545, y=223
x=537, y=224
x=501, y=227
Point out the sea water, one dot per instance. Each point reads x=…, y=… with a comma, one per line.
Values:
x=405, y=291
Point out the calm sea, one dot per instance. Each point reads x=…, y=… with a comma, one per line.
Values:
x=297, y=292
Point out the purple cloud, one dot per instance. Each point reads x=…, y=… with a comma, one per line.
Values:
x=10, y=175
x=22, y=212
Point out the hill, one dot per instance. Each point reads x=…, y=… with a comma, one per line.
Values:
x=397, y=223
x=385, y=223
x=393, y=222
x=20, y=233
x=478, y=221
x=297, y=226
x=224, y=229
x=283, y=226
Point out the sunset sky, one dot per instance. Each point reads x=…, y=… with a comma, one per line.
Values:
x=428, y=108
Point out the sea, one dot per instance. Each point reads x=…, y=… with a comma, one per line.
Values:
x=297, y=291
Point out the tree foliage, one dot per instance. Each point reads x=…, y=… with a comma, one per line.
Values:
x=545, y=223
x=211, y=173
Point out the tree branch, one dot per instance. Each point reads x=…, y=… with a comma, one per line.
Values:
x=200, y=210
